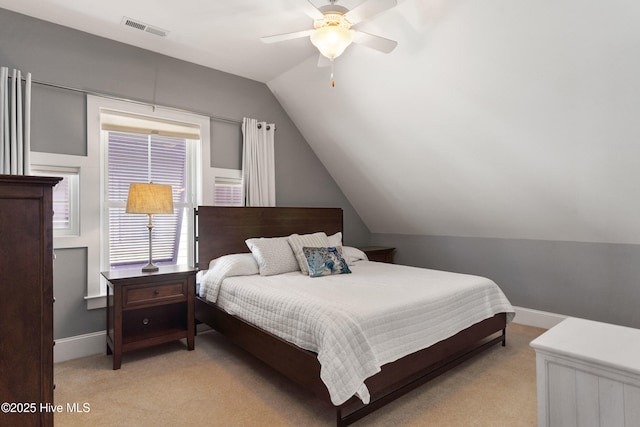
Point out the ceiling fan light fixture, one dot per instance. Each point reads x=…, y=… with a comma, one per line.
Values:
x=331, y=41
x=332, y=34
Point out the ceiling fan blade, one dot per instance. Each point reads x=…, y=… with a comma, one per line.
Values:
x=374, y=42
x=310, y=10
x=287, y=36
x=369, y=9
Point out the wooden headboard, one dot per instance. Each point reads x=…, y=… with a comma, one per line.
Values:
x=223, y=230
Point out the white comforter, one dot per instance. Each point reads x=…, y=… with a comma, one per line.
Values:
x=358, y=322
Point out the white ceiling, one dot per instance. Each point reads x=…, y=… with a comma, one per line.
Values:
x=224, y=35
x=492, y=118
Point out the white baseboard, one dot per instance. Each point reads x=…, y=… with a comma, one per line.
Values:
x=95, y=343
x=537, y=318
x=90, y=344
x=79, y=346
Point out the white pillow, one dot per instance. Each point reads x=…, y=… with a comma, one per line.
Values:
x=335, y=240
x=222, y=267
x=297, y=242
x=351, y=255
x=237, y=264
x=273, y=255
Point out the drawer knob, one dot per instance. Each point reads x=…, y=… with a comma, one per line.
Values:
x=156, y=292
x=145, y=321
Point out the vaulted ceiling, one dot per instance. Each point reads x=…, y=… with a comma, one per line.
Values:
x=493, y=118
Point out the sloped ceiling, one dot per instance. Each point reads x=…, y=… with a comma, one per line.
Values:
x=493, y=118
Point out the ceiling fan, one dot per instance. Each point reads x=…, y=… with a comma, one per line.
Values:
x=332, y=32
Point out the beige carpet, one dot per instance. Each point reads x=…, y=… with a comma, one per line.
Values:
x=219, y=385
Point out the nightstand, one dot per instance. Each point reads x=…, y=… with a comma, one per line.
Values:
x=379, y=253
x=145, y=309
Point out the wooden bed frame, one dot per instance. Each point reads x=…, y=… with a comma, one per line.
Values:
x=223, y=230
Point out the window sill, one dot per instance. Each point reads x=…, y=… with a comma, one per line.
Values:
x=96, y=301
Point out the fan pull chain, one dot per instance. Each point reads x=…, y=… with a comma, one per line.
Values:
x=333, y=83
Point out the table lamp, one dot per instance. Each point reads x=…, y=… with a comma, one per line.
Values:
x=150, y=199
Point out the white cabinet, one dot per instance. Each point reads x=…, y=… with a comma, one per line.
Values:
x=588, y=374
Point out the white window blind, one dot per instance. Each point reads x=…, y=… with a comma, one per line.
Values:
x=65, y=198
x=135, y=158
x=62, y=205
x=227, y=192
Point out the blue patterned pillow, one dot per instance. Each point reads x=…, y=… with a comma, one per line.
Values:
x=325, y=261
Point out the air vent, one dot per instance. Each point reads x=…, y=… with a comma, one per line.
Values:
x=128, y=22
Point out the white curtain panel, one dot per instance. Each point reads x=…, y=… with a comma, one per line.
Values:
x=15, y=122
x=258, y=163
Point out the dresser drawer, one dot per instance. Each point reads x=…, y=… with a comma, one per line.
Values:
x=152, y=294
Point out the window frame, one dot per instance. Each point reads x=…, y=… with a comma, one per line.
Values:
x=96, y=284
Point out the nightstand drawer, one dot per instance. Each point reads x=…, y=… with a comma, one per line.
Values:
x=154, y=294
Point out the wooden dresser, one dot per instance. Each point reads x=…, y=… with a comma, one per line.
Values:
x=26, y=300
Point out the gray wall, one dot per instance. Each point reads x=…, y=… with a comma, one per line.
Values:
x=598, y=281
x=67, y=57
x=482, y=126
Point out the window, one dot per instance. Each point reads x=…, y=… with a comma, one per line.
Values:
x=62, y=204
x=227, y=192
x=142, y=149
x=135, y=158
x=65, y=198
x=134, y=142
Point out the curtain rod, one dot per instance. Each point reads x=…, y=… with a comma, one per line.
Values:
x=149, y=104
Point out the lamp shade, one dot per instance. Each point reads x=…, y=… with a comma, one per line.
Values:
x=150, y=199
x=331, y=41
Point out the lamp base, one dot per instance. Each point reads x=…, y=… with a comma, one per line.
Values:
x=149, y=268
